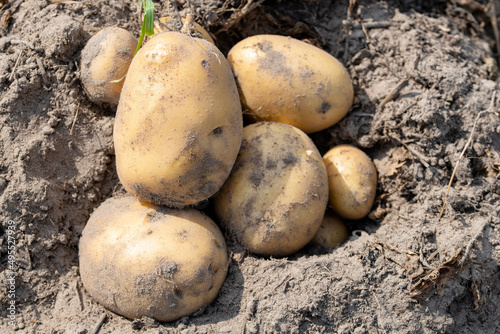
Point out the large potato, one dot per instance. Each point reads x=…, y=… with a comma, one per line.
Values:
x=352, y=179
x=137, y=259
x=179, y=124
x=106, y=58
x=276, y=195
x=285, y=80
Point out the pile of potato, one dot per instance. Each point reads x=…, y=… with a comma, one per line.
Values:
x=179, y=141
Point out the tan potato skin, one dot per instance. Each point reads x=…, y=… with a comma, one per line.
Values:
x=179, y=124
x=106, y=57
x=200, y=31
x=332, y=231
x=353, y=181
x=137, y=259
x=276, y=195
x=282, y=79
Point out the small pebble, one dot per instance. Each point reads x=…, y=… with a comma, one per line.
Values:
x=108, y=129
x=62, y=238
x=405, y=26
x=81, y=330
x=53, y=122
x=91, y=195
x=47, y=130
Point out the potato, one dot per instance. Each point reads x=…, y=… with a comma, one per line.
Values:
x=285, y=80
x=276, y=195
x=179, y=124
x=353, y=181
x=138, y=259
x=332, y=231
x=106, y=57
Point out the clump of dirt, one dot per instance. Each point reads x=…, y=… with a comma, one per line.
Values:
x=403, y=270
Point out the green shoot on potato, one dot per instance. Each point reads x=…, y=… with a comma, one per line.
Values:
x=147, y=29
x=148, y=26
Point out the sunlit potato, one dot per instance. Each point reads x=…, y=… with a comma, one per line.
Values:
x=282, y=79
x=352, y=179
x=104, y=61
x=276, y=195
x=179, y=123
x=137, y=259
x=332, y=231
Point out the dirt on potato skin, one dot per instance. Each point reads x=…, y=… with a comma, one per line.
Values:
x=57, y=166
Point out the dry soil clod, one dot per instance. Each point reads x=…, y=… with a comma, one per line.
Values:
x=478, y=234
x=489, y=110
x=450, y=268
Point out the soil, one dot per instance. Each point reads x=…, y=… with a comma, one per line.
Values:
x=403, y=269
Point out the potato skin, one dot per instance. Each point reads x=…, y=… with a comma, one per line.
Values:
x=179, y=124
x=332, y=231
x=277, y=193
x=106, y=57
x=282, y=79
x=137, y=259
x=352, y=178
x=198, y=30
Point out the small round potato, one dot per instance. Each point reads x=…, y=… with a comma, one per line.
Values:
x=332, y=231
x=353, y=181
x=179, y=124
x=137, y=259
x=282, y=79
x=105, y=58
x=277, y=193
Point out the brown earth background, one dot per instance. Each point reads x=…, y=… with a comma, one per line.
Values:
x=403, y=270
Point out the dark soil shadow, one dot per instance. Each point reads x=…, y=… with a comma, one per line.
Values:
x=271, y=17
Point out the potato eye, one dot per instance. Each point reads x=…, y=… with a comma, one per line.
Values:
x=178, y=293
x=217, y=131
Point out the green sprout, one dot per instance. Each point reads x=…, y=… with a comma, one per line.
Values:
x=147, y=29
